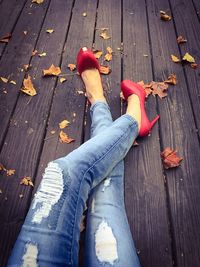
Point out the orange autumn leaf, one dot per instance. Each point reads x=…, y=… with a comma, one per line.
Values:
x=164, y=16
x=172, y=79
x=104, y=34
x=71, y=66
x=64, y=124
x=5, y=38
x=10, y=172
x=64, y=138
x=52, y=71
x=97, y=53
x=170, y=158
x=105, y=69
x=181, y=39
x=175, y=58
x=159, y=88
x=28, y=87
x=108, y=57
x=194, y=65
x=26, y=181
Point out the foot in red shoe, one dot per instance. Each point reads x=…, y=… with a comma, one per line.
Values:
x=88, y=67
x=130, y=88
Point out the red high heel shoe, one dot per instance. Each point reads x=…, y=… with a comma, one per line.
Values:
x=128, y=88
x=86, y=60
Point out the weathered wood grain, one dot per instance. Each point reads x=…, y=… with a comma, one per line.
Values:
x=144, y=184
x=176, y=129
x=25, y=134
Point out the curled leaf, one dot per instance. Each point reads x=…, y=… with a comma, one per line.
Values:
x=64, y=124
x=181, y=39
x=64, y=138
x=105, y=35
x=175, y=58
x=5, y=80
x=164, y=16
x=108, y=57
x=109, y=49
x=10, y=172
x=170, y=158
x=62, y=80
x=28, y=87
x=52, y=71
x=187, y=57
x=71, y=66
x=97, y=53
x=159, y=88
x=26, y=181
x=172, y=79
x=105, y=69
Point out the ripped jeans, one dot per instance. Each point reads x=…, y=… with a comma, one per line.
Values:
x=50, y=234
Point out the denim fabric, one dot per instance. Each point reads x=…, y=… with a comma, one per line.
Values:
x=50, y=233
x=106, y=211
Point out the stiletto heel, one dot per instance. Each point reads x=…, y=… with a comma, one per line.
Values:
x=86, y=60
x=128, y=88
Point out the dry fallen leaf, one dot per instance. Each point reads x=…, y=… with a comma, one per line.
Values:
x=64, y=124
x=109, y=49
x=52, y=71
x=147, y=87
x=105, y=69
x=71, y=66
x=38, y=1
x=181, y=39
x=12, y=82
x=50, y=30
x=62, y=80
x=64, y=138
x=187, y=57
x=194, y=65
x=26, y=181
x=108, y=57
x=42, y=54
x=159, y=88
x=164, y=16
x=34, y=53
x=175, y=58
x=97, y=53
x=172, y=79
x=5, y=38
x=28, y=87
x=10, y=172
x=105, y=35
x=5, y=80
x=170, y=158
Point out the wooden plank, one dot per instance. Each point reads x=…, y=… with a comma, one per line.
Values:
x=9, y=14
x=17, y=53
x=24, y=138
x=189, y=27
x=145, y=190
x=197, y=7
x=176, y=131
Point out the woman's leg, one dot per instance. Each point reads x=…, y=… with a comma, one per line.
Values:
x=108, y=238
x=50, y=234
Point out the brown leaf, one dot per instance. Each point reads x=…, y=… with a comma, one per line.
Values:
x=64, y=124
x=108, y=57
x=181, y=39
x=10, y=172
x=172, y=79
x=71, y=66
x=26, y=181
x=147, y=87
x=64, y=138
x=175, y=58
x=97, y=53
x=52, y=71
x=159, y=88
x=170, y=158
x=194, y=65
x=5, y=38
x=164, y=16
x=28, y=87
x=187, y=57
x=105, y=35
x=105, y=69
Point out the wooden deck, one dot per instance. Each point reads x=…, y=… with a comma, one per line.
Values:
x=163, y=206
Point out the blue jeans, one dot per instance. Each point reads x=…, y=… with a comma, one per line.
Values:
x=50, y=233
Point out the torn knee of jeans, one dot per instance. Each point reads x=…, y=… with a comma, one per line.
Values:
x=106, y=183
x=30, y=256
x=49, y=192
x=105, y=244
